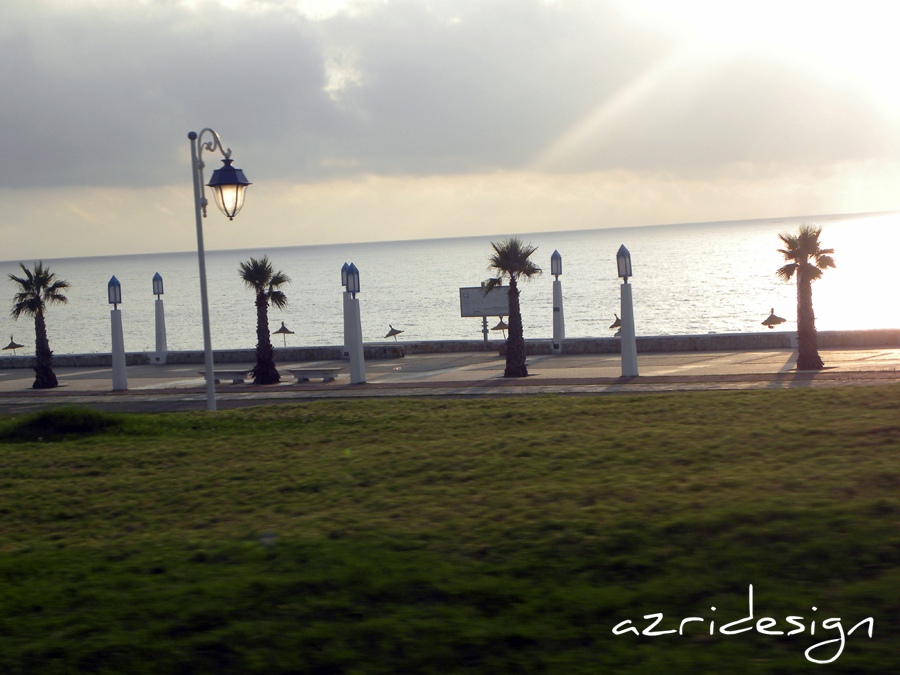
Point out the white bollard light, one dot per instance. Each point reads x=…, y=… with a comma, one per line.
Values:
x=353, y=324
x=119, y=377
x=345, y=350
x=559, y=321
x=161, y=348
x=628, y=339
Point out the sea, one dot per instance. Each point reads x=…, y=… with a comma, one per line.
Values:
x=689, y=279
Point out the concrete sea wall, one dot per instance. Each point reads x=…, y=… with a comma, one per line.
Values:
x=860, y=339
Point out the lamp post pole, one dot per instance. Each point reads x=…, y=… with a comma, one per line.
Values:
x=228, y=184
x=628, y=340
x=119, y=377
x=559, y=322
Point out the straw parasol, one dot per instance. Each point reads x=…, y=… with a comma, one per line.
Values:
x=393, y=332
x=13, y=345
x=501, y=326
x=771, y=321
x=284, y=331
x=617, y=323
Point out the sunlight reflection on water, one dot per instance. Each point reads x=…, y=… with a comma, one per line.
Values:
x=688, y=279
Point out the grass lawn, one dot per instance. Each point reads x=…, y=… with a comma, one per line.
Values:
x=457, y=536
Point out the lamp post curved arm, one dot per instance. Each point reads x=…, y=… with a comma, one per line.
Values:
x=197, y=148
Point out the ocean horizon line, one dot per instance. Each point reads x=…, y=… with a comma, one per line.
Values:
x=705, y=223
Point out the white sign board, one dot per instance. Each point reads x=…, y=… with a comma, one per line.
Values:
x=474, y=302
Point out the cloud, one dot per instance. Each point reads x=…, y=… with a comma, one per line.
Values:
x=504, y=100
x=104, y=93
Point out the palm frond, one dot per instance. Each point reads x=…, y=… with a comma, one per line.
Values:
x=256, y=273
x=511, y=259
x=278, y=299
x=823, y=261
x=786, y=273
x=279, y=278
x=37, y=287
x=804, y=254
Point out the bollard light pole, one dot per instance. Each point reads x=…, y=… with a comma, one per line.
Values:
x=114, y=294
x=559, y=322
x=345, y=351
x=161, y=347
x=354, y=323
x=628, y=340
x=228, y=185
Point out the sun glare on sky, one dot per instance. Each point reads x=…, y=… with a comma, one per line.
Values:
x=860, y=41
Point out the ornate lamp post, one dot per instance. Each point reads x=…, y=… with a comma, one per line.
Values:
x=114, y=294
x=559, y=322
x=228, y=185
x=628, y=340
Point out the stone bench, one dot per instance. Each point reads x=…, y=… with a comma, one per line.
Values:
x=236, y=376
x=303, y=374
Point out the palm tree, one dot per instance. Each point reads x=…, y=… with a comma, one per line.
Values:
x=37, y=289
x=511, y=260
x=261, y=277
x=805, y=261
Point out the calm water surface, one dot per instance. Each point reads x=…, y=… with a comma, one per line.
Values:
x=688, y=279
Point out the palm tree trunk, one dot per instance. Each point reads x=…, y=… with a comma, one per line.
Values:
x=807, y=347
x=44, y=377
x=265, y=371
x=515, y=343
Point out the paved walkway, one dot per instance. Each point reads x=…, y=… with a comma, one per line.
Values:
x=465, y=374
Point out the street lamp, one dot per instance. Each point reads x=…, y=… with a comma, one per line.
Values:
x=114, y=295
x=559, y=322
x=628, y=340
x=228, y=185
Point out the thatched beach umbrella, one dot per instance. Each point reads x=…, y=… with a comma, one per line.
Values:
x=771, y=321
x=501, y=326
x=13, y=345
x=617, y=323
x=284, y=332
x=393, y=332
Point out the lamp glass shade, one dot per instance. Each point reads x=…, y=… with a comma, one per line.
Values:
x=352, y=279
x=157, y=284
x=114, y=291
x=623, y=260
x=556, y=264
x=344, y=275
x=228, y=185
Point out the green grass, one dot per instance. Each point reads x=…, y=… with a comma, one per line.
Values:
x=453, y=536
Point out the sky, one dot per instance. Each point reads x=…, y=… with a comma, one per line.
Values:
x=379, y=120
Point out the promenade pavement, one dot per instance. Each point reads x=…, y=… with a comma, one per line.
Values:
x=460, y=374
